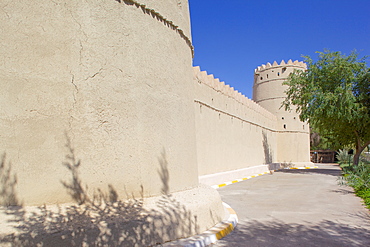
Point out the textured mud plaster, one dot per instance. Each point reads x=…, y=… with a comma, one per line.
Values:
x=107, y=83
x=238, y=135
x=233, y=132
x=98, y=97
x=96, y=71
x=293, y=143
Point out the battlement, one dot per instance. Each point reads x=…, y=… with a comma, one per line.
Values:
x=290, y=63
x=275, y=72
x=227, y=90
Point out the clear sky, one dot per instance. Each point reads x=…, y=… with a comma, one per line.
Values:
x=231, y=38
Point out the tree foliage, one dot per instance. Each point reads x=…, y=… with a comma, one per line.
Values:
x=318, y=142
x=333, y=95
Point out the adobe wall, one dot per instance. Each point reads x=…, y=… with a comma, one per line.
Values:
x=293, y=135
x=100, y=96
x=104, y=87
x=233, y=132
x=97, y=99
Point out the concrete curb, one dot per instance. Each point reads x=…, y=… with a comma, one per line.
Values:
x=212, y=235
x=256, y=175
x=312, y=167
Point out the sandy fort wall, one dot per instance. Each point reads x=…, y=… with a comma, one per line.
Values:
x=268, y=91
x=233, y=132
x=74, y=70
x=102, y=91
x=100, y=96
x=238, y=137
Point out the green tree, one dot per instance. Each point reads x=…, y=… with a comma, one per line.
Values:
x=333, y=95
x=318, y=141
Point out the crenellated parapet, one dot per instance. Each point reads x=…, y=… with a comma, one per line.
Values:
x=269, y=92
x=208, y=79
x=155, y=14
x=290, y=63
x=95, y=94
x=233, y=132
x=269, y=72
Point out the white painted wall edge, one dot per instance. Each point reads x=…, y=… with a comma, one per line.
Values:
x=221, y=177
x=218, y=178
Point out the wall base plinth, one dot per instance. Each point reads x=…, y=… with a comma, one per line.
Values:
x=218, y=178
x=136, y=222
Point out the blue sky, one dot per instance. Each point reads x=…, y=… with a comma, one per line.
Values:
x=231, y=38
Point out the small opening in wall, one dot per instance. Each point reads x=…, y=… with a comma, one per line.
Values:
x=284, y=126
x=303, y=126
x=283, y=70
x=212, y=100
x=261, y=78
x=282, y=118
x=267, y=75
x=294, y=118
x=278, y=73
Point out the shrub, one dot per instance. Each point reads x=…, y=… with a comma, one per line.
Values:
x=358, y=177
x=344, y=157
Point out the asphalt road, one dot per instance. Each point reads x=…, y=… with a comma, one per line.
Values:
x=297, y=208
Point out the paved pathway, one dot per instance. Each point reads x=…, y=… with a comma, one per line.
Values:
x=297, y=208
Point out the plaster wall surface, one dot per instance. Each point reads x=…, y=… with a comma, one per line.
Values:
x=176, y=11
x=268, y=91
x=97, y=97
x=233, y=132
x=107, y=78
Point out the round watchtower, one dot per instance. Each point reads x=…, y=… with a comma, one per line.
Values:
x=269, y=92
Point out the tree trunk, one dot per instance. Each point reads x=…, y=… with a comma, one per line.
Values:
x=356, y=157
x=359, y=149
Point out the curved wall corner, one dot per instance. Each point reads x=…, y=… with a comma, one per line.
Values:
x=293, y=135
x=101, y=91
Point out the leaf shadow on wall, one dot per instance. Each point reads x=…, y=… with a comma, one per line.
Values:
x=8, y=183
x=102, y=220
x=266, y=148
x=163, y=173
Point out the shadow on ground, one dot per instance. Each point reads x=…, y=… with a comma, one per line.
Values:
x=330, y=172
x=275, y=233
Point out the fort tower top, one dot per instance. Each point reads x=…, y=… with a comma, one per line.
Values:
x=269, y=92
